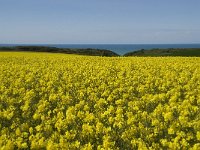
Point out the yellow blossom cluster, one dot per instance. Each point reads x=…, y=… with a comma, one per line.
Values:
x=58, y=101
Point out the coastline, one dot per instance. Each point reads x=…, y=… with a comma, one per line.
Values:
x=120, y=49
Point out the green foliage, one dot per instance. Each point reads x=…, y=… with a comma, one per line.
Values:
x=88, y=51
x=166, y=52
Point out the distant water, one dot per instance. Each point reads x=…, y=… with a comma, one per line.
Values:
x=118, y=48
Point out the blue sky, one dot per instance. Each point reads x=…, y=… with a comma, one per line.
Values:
x=99, y=21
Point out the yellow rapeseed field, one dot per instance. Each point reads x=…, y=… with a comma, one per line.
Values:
x=58, y=101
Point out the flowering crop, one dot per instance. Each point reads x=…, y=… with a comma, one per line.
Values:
x=57, y=101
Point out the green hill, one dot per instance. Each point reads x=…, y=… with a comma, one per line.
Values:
x=88, y=51
x=166, y=52
x=195, y=52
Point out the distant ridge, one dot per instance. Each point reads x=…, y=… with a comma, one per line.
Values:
x=195, y=52
x=120, y=49
x=166, y=52
x=87, y=51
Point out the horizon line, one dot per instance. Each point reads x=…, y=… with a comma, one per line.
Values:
x=95, y=43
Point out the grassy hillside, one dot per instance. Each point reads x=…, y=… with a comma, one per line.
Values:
x=166, y=52
x=88, y=51
x=102, y=52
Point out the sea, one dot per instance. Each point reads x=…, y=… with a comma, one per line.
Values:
x=117, y=48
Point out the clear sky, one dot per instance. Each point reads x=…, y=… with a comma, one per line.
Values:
x=99, y=21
